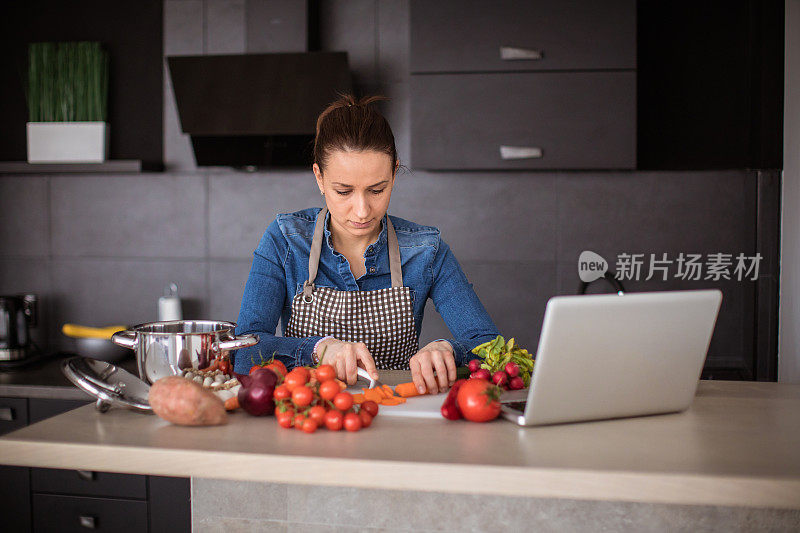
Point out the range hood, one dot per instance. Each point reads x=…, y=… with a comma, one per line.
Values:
x=256, y=110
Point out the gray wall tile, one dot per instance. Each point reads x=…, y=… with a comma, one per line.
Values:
x=226, y=287
x=23, y=216
x=149, y=215
x=393, y=40
x=225, y=26
x=483, y=216
x=350, y=26
x=276, y=26
x=611, y=213
x=183, y=27
x=243, y=205
x=103, y=292
x=239, y=499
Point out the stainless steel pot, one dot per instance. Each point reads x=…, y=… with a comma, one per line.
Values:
x=165, y=348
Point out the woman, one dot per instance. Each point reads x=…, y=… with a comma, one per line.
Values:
x=349, y=282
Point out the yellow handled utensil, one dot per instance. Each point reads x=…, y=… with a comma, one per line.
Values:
x=86, y=332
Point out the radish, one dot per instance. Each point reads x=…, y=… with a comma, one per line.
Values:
x=512, y=369
x=516, y=383
x=500, y=378
x=474, y=365
x=481, y=373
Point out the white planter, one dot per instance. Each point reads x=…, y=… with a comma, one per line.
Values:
x=67, y=142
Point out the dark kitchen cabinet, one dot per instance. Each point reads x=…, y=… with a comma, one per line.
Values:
x=503, y=85
x=543, y=120
x=49, y=499
x=509, y=35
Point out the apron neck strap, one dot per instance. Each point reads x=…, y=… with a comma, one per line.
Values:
x=316, y=249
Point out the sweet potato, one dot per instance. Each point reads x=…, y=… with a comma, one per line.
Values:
x=186, y=403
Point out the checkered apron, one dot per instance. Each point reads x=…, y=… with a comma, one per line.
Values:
x=382, y=319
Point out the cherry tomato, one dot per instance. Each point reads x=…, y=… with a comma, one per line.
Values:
x=325, y=372
x=370, y=407
x=352, y=422
x=366, y=418
x=294, y=380
x=285, y=419
x=328, y=390
x=298, y=421
x=303, y=371
x=343, y=401
x=334, y=420
x=282, y=392
x=317, y=414
x=309, y=426
x=302, y=395
x=477, y=400
x=277, y=367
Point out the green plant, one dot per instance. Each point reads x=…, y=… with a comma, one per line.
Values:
x=67, y=82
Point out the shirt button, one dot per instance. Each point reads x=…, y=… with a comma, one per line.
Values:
x=371, y=270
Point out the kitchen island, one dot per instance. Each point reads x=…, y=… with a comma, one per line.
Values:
x=731, y=460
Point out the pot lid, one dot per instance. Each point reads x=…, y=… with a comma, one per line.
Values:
x=111, y=385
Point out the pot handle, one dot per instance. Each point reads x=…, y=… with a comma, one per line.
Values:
x=126, y=339
x=240, y=341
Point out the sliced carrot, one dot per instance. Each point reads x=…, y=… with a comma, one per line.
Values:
x=407, y=390
x=393, y=401
x=374, y=395
x=388, y=390
x=358, y=399
x=232, y=403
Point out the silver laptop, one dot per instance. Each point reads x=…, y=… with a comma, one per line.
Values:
x=611, y=356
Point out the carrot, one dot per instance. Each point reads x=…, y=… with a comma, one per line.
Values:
x=374, y=395
x=232, y=403
x=407, y=390
x=342, y=384
x=358, y=399
x=393, y=401
x=388, y=390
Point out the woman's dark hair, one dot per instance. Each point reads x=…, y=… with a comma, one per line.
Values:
x=353, y=125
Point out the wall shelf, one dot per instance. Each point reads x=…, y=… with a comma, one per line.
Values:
x=117, y=165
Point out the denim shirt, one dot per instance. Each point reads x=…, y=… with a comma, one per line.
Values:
x=280, y=266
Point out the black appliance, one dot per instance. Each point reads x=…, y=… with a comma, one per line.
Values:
x=17, y=315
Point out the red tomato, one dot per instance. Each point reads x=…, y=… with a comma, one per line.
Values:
x=343, y=401
x=277, y=367
x=302, y=396
x=352, y=422
x=282, y=392
x=328, y=390
x=325, y=372
x=294, y=380
x=285, y=419
x=370, y=407
x=478, y=400
x=317, y=414
x=298, y=421
x=309, y=426
x=334, y=420
x=366, y=418
x=303, y=371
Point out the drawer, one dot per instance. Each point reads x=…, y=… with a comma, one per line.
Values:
x=15, y=498
x=81, y=514
x=544, y=120
x=468, y=35
x=82, y=482
x=13, y=414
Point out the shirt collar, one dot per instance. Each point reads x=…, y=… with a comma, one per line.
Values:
x=376, y=246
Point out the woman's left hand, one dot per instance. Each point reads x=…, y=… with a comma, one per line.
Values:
x=435, y=357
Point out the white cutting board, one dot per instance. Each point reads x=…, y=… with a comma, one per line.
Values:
x=425, y=406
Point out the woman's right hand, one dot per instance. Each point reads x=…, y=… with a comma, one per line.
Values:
x=346, y=357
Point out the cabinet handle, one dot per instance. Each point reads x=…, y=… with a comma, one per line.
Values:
x=520, y=152
x=6, y=414
x=510, y=53
x=89, y=522
x=86, y=475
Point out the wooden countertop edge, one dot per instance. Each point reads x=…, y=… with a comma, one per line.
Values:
x=579, y=484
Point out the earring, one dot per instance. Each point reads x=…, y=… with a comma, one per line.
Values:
x=322, y=193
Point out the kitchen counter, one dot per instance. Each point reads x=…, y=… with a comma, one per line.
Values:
x=44, y=379
x=738, y=445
